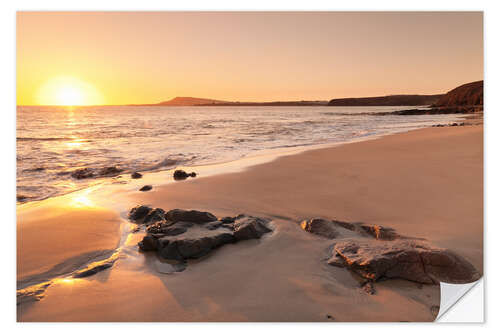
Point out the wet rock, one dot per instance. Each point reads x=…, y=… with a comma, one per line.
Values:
x=22, y=198
x=379, y=232
x=181, y=174
x=435, y=310
x=82, y=173
x=213, y=225
x=188, y=234
x=406, y=259
x=320, y=227
x=136, y=175
x=368, y=288
x=250, y=227
x=139, y=212
x=110, y=171
x=148, y=243
x=146, y=188
x=155, y=215
x=194, y=216
x=193, y=244
x=227, y=219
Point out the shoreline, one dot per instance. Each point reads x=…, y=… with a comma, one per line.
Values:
x=246, y=161
x=220, y=192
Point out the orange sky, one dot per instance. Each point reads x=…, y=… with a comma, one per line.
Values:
x=147, y=57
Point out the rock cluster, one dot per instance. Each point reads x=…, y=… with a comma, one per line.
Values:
x=188, y=234
x=83, y=173
x=375, y=252
x=181, y=174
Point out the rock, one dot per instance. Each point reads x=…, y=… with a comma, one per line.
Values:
x=406, y=259
x=82, y=173
x=139, y=212
x=187, y=234
x=110, y=171
x=181, y=174
x=136, y=175
x=193, y=244
x=194, y=216
x=146, y=188
x=22, y=198
x=227, y=219
x=155, y=215
x=320, y=227
x=435, y=310
x=368, y=288
x=379, y=232
x=213, y=225
x=250, y=227
x=148, y=243
x=167, y=228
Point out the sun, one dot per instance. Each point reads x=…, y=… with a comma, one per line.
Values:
x=68, y=91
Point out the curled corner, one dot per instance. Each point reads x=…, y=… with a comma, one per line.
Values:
x=451, y=295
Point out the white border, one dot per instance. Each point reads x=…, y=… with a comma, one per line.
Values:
x=492, y=165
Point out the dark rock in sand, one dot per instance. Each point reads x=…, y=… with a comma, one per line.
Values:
x=168, y=228
x=184, y=234
x=193, y=244
x=136, y=175
x=368, y=288
x=189, y=216
x=321, y=227
x=250, y=227
x=110, y=171
x=82, y=173
x=148, y=243
x=155, y=215
x=181, y=174
x=406, y=259
x=146, y=188
x=139, y=212
x=379, y=232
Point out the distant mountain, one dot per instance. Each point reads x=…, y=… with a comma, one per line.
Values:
x=392, y=100
x=189, y=101
x=469, y=94
x=277, y=103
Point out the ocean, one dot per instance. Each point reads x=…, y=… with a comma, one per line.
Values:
x=54, y=141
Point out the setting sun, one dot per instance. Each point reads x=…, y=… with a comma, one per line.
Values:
x=68, y=91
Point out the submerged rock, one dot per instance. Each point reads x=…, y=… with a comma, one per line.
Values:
x=146, y=188
x=406, y=259
x=190, y=216
x=82, y=173
x=136, y=175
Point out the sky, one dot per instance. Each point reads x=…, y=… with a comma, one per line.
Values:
x=147, y=57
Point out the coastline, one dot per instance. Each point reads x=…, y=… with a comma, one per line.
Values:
x=351, y=182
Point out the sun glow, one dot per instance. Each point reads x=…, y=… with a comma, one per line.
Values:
x=68, y=91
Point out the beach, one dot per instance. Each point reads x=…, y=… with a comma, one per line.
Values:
x=426, y=183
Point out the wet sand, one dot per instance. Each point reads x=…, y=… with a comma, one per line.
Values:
x=426, y=183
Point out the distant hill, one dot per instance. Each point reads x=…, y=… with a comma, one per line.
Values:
x=277, y=103
x=469, y=94
x=392, y=100
x=189, y=101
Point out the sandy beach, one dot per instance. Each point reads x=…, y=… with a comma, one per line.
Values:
x=426, y=183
